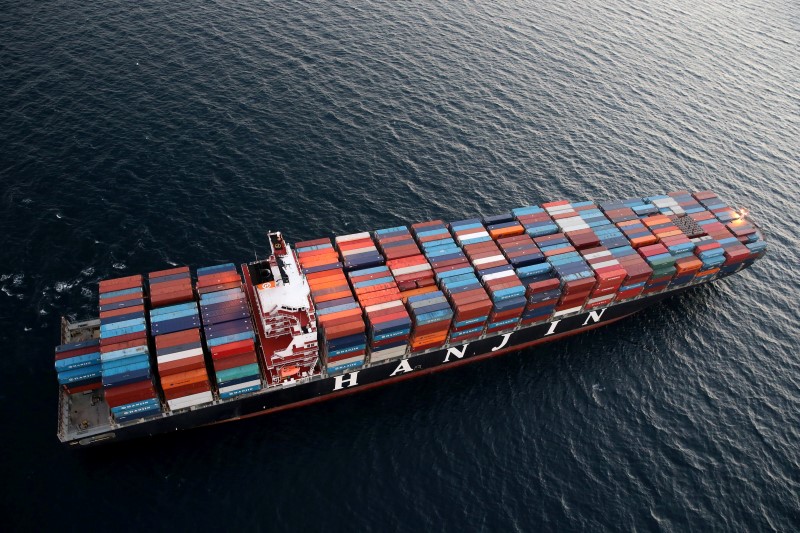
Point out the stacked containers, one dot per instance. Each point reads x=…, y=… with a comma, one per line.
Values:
x=576, y=222
x=505, y=225
x=431, y=316
x=521, y=251
x=470, y=303
x=740, y=241
x=609, y=274
x=168, y=287
x=78, y=366
x=228, y=329
x=358, y=251
x=686, y=202
x=542, y=297
x=455, y=275
x=666, y=204
x=469, y=231
x=178, y=369
x=182, y=369
x=535, y=220
x=504, y=287
x=389, y=330
x=530, y=267
x=124, y=353
x=637, y=233
x=175, y=323
x=663, y=265
x=638, y=272
x=712, y=203
x=617, y=212
x=404, y=258
x=641, y=207
x=341, y=325
x=676, y=241
x=388, y=322
x=577, y=278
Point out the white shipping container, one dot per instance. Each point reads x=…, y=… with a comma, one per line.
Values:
x=497, y=275
x=567, y=311
x=353, y=237
x=191, y=400
x=385, y=305
x=472, y=233
x=346, y=361
x=411, y=269
x=382, y=355
x=604, y=264
x=491, y=259
x=161, y=359
x=356, y=251
x=597, y=254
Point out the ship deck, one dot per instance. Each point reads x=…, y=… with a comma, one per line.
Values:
x=84, y=415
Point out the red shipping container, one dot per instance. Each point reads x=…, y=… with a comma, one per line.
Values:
x=120, y=284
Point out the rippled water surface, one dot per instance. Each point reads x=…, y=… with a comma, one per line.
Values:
x=138, y=135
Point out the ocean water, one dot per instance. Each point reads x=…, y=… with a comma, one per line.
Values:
x=139, y=135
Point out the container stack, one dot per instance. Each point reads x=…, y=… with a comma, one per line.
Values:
x=577, y=221
x=431, y=315
x=78, y=366
x=663, y=265
x=609, y=273
x=501, y=226
x=717, y=207
x=389, y=327
x=175, y=323
x=228, y=330
x=169, y=287
x=535, y=220
x=388, y=323
x=542, y=297
x=182, y=369
x=124, y=354
x=749, y=247
x=409, y=267
x=686, y=202
x=358, y=251
x=470, y=303
x=668, y=234
x=637, y=270
x=521, y=251
x=618, y=212
x=317, y=255
x=504, y=287
x=341, y=326
x=469, y=231
x=666, y=204
x=641, y=207
x=637, y=233
x=577, y=278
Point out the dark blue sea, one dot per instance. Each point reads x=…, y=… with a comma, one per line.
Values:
x=139, y=135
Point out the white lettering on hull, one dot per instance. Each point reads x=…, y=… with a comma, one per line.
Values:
x=594, y=316
x=552, y=329
x=505, y=341
x=403, y=367
x=455, y=352
x=351, y=381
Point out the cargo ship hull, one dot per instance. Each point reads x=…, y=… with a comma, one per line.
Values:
x=328, y=317
x=312, y=391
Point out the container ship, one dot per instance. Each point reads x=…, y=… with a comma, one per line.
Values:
x=332, y=316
